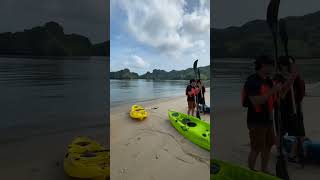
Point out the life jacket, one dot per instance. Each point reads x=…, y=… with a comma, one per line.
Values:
x=264, y=88
x=192, y=89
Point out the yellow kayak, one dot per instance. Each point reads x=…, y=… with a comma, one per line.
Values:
x=87, y=159
x=138, y=112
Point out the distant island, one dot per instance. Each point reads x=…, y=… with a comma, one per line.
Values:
x=254, y=38
x=49, y=40
x=157, y=74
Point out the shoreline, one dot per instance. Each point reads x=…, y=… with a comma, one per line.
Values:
x=158, y=100
x=155, y=144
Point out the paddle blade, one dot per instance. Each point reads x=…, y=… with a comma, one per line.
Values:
x=281, y=169
x=272, y=14
x=195, y=65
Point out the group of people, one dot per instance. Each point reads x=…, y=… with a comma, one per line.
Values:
x=271, y=106
x=195, y=95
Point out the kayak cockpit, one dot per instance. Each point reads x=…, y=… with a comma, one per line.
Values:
x=189, y=123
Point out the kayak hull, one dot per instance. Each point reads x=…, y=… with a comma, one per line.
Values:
x=87, y=159
x=192, y=128
x=221, y=170
x=138, y=112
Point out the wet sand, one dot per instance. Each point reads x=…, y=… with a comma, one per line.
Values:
x=152, y=149
x=231, y=140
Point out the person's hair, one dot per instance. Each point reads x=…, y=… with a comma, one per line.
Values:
x=192, y=80
x=285, y=61
x=260, y=60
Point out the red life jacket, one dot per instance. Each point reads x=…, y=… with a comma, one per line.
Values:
x=263, y=90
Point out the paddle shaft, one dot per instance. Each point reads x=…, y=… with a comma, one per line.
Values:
x=272, y=19
x=195, y=64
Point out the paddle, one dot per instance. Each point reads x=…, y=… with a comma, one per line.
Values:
x=151, y=108
x=201, y=93
x=195, y=65
x=272, y=20
x=294, y=118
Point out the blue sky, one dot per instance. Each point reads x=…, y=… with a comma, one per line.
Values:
x=159, y=34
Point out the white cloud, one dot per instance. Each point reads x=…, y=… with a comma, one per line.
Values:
x=126, y=64
x=167, y=26
x=139, y=62
x=135, y=62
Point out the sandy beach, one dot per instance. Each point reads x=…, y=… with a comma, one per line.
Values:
x=40, y=157
x=152, y=149
x=231, y=140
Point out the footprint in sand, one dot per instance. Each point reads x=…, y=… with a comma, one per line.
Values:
x=136, y=155
x=157, y=156
x=123, y=171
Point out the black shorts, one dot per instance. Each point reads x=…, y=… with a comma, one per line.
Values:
x=261, y=138
x=296, y=127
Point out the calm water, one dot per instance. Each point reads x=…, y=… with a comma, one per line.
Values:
x=230, y=74
x=132, y=91
x=44, y=95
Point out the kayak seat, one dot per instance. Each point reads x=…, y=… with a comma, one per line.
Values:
x=185, y=121
x=83, y=143
x=88, y=154
x=188, y=122
x=175, y=114
x=191, y=124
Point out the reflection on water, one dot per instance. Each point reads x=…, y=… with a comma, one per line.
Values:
x=133, y=91
x=47, y=93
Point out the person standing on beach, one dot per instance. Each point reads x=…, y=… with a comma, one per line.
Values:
x=259, y=95
x=292, y=126
x=191, y=96
x=202, y=90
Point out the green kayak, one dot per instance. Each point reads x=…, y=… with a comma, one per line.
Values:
x=224, y=171
x=194, y=129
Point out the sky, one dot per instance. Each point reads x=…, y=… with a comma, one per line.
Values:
x=159, y=34
x=85, y=17
x=227, y=13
